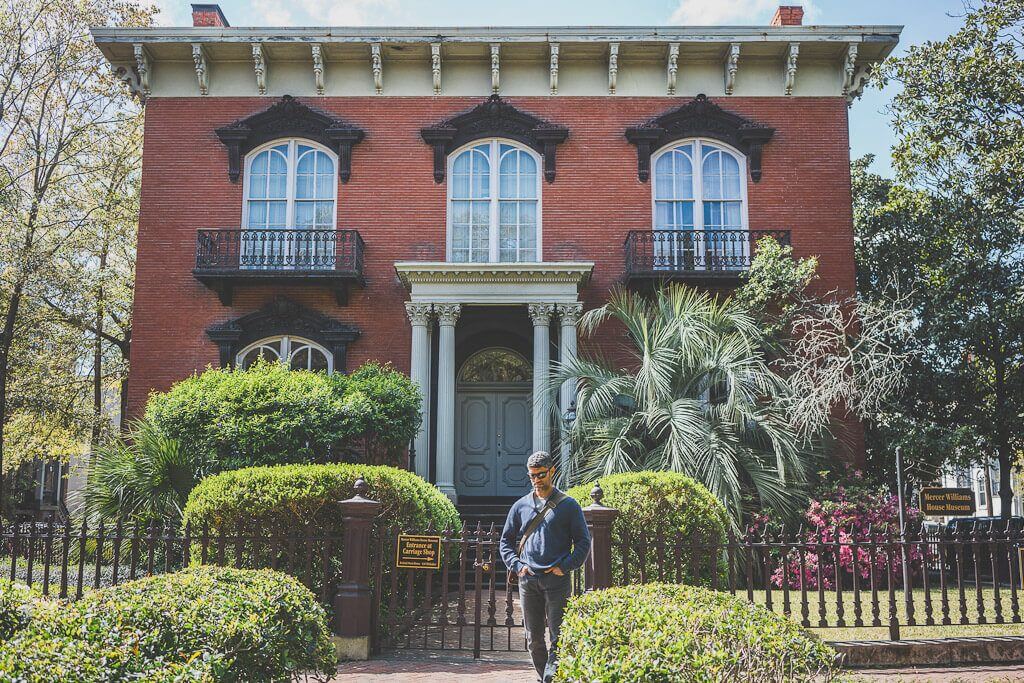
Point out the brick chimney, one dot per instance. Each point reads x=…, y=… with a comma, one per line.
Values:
x=208, y=15
x=786, y=15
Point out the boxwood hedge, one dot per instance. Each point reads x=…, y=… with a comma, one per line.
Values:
x=673, y=632
x=204, y=623
x=17, y=603
x=269, y=415
x=292, y=499
x=680, y=508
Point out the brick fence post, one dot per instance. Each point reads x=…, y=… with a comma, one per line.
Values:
x=353, y=600
x=599, y=521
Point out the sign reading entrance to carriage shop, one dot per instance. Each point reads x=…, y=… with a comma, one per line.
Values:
x=936, y=501
x=418, y=552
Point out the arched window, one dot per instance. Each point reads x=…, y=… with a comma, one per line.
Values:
x=700, y=189
x=297, y=353
x=494, y=203
x=495, y=365
x=290, y=185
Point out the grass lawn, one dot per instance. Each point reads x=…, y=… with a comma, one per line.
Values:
x=955, y=630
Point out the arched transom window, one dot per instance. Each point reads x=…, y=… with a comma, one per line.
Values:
x=297, y=353
x=495, y=365
x=494, y=204
x=290, y=184
x=699, y=185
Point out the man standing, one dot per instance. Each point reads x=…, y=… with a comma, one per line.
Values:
x=545, y=539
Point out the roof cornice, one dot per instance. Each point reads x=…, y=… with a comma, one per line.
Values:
x=510, y=34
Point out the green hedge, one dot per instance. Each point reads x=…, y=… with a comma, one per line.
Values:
x=269, y=415
x=297, y=499
x=17, y=603
x=205, y=623
x=292, y=501
x=672, y=632
x=679, y=507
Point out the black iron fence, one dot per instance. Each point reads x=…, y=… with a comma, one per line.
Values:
x=297, y=249
x=701, y=253
x=844, y=579
x=65, y=560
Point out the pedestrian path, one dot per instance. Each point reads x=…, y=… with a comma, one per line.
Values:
x=512, y=668
x=422, y=667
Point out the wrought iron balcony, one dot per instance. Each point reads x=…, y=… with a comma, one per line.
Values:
x=693, y=255
x=227, y=258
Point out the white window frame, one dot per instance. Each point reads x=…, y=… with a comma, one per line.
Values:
x=494, y=230
x=287, y=343
x=698, y=179
x=293, y=163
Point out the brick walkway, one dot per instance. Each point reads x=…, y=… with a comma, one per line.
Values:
x=419, y=667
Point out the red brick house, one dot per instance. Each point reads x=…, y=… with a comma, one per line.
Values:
x=450, y=199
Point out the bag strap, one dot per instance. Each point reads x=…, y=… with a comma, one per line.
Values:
x=538, y=517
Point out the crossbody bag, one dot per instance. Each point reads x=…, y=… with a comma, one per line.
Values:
x=531, y=526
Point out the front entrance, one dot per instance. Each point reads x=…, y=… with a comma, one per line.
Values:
x=493, y=425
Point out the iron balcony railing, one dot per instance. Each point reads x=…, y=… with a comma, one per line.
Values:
x=280, y=251
x=693, y=253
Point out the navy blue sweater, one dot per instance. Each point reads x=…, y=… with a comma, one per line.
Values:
x=562, y=540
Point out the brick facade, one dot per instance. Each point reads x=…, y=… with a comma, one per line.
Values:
x=395, y=204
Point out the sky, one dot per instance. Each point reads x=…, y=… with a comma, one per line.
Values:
x=870, y=132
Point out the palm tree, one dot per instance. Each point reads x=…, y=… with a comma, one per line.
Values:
x=145, y=476
x=697, y=395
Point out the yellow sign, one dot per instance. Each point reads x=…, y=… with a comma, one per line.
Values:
x=936, y=501
x=418, y=552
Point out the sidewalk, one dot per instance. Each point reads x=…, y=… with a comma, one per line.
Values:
x=424, y=666
x=509, y=668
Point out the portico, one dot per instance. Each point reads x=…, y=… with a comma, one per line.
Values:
x=440, y=294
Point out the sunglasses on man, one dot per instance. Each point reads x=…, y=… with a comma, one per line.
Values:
x=536, y=476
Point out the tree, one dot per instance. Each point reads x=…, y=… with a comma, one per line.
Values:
x=959, y=157
x=697, y=397
x=63, y=116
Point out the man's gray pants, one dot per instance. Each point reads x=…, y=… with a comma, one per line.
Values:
x=543, y=598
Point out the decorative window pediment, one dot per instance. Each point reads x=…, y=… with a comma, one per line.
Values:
x=289, y=118
x=700, y=118
x=494, y=118
x=283, y=317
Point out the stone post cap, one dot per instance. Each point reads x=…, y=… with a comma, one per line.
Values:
x=359, y=505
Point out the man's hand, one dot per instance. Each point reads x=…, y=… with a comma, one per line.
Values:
x=524, y=571
x=557, y=571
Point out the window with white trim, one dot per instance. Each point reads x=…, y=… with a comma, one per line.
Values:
x=699, y=185
x=295, y=352
x=290, y=184
x=494, y=203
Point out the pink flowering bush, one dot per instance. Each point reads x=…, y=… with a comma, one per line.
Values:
x=850, y=511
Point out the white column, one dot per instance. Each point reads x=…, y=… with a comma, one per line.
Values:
x=447, y=315
x=541, y=316
x=568, y=316
x=419, y=371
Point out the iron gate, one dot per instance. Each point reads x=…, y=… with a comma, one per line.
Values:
x=464, y=605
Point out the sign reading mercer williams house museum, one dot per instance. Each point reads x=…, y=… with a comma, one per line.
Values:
x=450, y=200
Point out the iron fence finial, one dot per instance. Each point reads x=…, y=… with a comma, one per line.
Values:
x=361, y=487
x=597, y=493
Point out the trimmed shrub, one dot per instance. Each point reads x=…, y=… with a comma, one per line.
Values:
x=669, y=503
x=17, y=603
x=205, y=623
x=295, y=499
x=268, y=415
x=671, y=632
x=292, y=501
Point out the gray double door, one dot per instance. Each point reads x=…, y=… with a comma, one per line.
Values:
x=493, y=440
